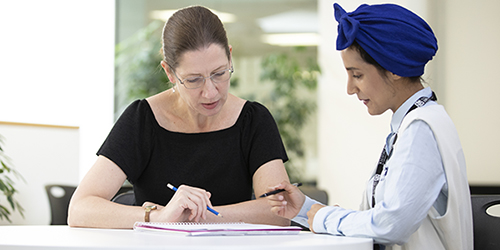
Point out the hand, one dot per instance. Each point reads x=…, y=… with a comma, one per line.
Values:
x=187, y=204
x=288, y=203
x=311, y=213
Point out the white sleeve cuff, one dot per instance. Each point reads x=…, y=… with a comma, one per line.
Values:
x=328, y=219
x=319, y=220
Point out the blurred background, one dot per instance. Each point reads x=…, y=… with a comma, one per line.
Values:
x=68, y=68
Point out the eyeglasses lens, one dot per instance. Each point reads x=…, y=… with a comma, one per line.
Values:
x=196, y=82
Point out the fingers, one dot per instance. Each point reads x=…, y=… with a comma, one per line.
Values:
x=282, y=185
x=194, y=199
x=290, y=190
x=276, y=200
x=278, y=207
x=277, y=210
x=195, y=210
x=310, y=221
x=312, y=212
x=286, y=204
x=311, y=228
x=283, y=188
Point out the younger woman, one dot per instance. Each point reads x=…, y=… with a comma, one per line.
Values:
x=418, y=196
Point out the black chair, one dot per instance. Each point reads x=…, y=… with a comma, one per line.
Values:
x=59, y=197
x=127, y=198
x=315, y=193
x=486, y=226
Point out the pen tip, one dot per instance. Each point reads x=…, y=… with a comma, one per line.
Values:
x=220, y=215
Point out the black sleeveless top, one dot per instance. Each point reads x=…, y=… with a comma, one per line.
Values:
x=222, y=162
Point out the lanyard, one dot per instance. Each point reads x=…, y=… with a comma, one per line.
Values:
x=385, y=156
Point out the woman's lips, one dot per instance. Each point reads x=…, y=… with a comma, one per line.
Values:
x=211, y=105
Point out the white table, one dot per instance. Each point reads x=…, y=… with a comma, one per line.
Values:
x=64, y=237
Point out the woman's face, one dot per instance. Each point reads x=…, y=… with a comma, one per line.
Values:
x=364, y=80
x=208, y=99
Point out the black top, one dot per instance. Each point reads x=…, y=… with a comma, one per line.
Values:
x=222, y=162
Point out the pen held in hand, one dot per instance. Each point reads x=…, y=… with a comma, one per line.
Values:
x=278, y=190
x=209, y=208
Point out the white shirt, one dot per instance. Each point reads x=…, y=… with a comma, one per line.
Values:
x=411, y=182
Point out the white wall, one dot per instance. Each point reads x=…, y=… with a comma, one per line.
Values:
x=462, y=74
x=470, y=35
x=42, y=155
x=56, y=67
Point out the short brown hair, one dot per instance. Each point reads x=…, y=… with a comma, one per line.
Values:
x=190, y=29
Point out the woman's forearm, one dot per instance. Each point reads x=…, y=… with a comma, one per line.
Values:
x=255, y=211
x=97, y=212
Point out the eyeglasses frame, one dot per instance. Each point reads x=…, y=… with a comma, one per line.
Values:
x=231, y=71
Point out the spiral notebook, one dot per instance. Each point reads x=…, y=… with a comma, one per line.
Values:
x=215, y=229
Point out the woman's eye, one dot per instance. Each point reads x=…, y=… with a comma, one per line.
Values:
x=356, y=76
x=193, y=80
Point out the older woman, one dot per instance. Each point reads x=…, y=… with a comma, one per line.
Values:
x=195, y=134
x=418, y=196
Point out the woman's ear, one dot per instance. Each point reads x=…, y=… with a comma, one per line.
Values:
x=393, y=76
x=168, y=71
x=231, y=56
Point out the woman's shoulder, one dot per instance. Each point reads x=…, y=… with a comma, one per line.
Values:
x=434, y=116
x=430, y=113
x=254, y=107
x=159, y=100
x=138, y=108
x=134, y=122
x=255, y=112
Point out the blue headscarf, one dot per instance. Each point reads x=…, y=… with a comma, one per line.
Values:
x=396, y=38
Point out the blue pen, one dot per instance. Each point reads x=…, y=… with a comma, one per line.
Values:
x=209, y=208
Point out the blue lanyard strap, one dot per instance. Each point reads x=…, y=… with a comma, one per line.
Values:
x=385, y=156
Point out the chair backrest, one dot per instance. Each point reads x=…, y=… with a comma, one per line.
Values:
x=127, y=198
x=59, y=197
x=486, y=226
x=315, y=193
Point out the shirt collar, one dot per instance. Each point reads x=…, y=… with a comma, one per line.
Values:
x=398, y=116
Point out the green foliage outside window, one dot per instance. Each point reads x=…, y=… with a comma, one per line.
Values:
x=291, y=101
x=138, y=72
x=7, y=186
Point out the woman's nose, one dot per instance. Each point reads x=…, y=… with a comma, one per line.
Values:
x=209, y=89
x=351, y=87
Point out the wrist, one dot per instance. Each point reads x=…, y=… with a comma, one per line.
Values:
x=147, y=212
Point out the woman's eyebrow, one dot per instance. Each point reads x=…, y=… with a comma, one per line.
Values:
x=199, y=74
x=219, y=68
x=351, y=68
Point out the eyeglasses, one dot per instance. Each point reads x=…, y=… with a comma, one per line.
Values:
x=198, y=81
